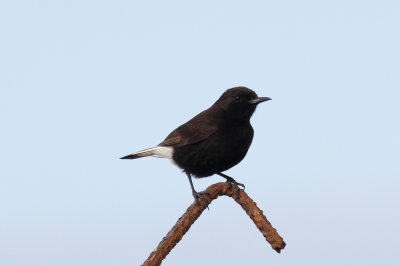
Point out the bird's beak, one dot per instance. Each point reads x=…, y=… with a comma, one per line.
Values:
x=259, y=100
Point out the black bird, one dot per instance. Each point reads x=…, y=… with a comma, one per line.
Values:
x=214, y=140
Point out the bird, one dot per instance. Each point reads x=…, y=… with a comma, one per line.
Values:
x=213, y=141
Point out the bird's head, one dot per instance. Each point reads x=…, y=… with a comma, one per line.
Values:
x=239, y=103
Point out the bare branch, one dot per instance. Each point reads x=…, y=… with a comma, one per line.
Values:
x=194, y=212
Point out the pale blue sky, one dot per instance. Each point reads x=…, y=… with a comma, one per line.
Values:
x=83, y=83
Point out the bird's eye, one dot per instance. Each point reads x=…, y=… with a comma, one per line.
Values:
x=238, y=99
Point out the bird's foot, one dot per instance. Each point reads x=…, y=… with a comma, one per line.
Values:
x=199, y=196
x=231, y=181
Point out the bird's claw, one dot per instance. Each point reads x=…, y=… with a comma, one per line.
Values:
x=231, y=181
x=199, y=196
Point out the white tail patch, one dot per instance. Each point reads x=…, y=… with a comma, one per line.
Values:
x=162, y=151
x=159, y=151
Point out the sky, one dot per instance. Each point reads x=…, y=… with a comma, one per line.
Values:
x=83, y=83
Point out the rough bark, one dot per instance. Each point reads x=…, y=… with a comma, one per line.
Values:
x=194, y=211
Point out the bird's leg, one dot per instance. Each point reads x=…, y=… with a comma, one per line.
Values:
x=197, y=195
x=230, y=180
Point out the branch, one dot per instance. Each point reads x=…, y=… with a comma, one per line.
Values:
x=194, y=211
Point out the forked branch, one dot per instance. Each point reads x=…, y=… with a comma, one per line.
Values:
x=194, y=211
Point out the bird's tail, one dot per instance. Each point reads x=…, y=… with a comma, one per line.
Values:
x=159, y=151
x=143, y=153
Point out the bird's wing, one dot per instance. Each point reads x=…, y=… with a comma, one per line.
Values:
x=195, y=130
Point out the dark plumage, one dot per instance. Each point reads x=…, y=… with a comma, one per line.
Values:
x=214, y=140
